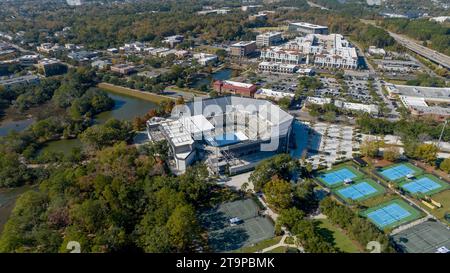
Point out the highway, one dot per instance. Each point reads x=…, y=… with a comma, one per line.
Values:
x=426, y=52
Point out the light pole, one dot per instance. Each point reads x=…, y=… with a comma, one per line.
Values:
x=442, y=133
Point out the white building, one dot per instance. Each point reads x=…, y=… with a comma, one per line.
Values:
x=440, y=19
x=49, y=47
x=337, y=52
x=318, y=101
x=231, y=134
x=268, y=39
x=281, y=55
x=321, y=50
x=307, y=28
x=269, y=93
x=205, y=59
x=360, y=107
x=277, y=67
x=373, y=50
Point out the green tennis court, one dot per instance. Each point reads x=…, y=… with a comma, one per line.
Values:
x=392, y=214
x=399, y=171
x=223, y=237
x=424, y=184
x=337, y=176
x=361, y=190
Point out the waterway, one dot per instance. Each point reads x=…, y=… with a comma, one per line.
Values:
x=8, y=199
x=18, y=126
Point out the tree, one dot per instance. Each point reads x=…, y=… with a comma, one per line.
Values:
x=182, y=227
x=13, y=173
x=391, y=154
x=370, y=148
x=329, y=116
x=289, y=217
x=278, y=194
x=445, y=165
x=281, y=166
x=427, y=153
x=284, y=103
x=113, y=131
x=304, y=195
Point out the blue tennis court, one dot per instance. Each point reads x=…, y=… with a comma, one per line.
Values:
x=338, y=176
x=422, y=185
x=388, y=215
x=397, y=172
x=357, y=191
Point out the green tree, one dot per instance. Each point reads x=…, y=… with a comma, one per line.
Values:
x=370, y=148
x=278, y=194
x=445, y=165
x=391, y=154
x=182, y=227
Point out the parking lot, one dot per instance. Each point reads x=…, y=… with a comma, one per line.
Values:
x=354, y=90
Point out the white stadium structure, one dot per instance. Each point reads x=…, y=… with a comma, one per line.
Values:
x=231, y=134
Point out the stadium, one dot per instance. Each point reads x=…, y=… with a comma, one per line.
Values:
x=231, y=134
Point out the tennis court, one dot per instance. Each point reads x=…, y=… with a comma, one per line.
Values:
x=426, y=184
x=392, y=214
x=363, y=189
x=400, y=171
x=223, y=237
x=426, y=237
x=335, y=177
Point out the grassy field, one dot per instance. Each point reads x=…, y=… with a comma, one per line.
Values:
x=375, y=201
x=134, y=93
x=283, y=249
x=338, y=237
x=444, y=199
x=259, y=246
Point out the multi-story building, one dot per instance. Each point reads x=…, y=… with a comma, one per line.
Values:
x=174, y=40
x=18, y=81
x=51, y=67
x=307, y=28
x=277, y=67
x=268, y=39
x=242, y=49
x=124, y=69
x=326, y=50
x=281, y=55
x=235, y=88
x=49, y=48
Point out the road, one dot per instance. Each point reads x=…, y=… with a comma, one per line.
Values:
x=423, y=51
x=393, y=114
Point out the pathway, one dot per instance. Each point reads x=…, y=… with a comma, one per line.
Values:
x=283, y=244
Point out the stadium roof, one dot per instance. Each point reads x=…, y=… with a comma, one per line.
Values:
x=276, y=116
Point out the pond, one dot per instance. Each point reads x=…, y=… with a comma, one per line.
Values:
x=16, y=125
x=223, y=74
x=125, y=108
